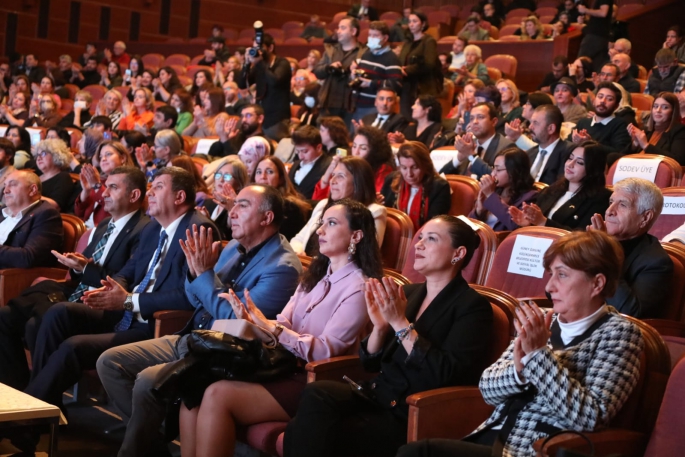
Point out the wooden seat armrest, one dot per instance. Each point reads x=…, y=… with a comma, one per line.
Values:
x=625, y=443
x=450, y=412
x=13, y=281
x=667, y=327
x=334, y=368
x=170, y=321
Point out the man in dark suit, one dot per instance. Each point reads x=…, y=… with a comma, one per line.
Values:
x=107, y=252
x=548, y=158
x=32, y=70
x=73, y=335
x=384, y=118
x=363, y=11
x=312, y=162
x=258, y=259
x=646, y=283
x=29, y=226
x=476, y=151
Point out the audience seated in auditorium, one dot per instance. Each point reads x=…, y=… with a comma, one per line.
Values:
x=109, y=106
x=32, y=69
x=581, y=71
x=165, y=84
x=144, y=81
x=311, y=163
x=474, y=68
x=44, y=113
x=16, y=111
x=253, y=151
x=476, y=149
x=573, y=367
x=308, y=114
x=491, y=16
x=217, y=53
x=128, y=373
x=625, y=78
x=80, y=115
x=334, y=135
x=472, y=30
x=603, y=126
x=666, y=74
x=207, y=118
x=52, y=159
x=421, y=340
x=571, y=201
x=46, y=87
x=420, y=65
x=645, y=284
x=565, y=91
x=465, y=101
x=458, y=58
x=228, y=180
x=188, y=164
x=90, y=51
x=90, y=204
x=416, y=188
x=384, y=117
x=167, y=145
x=70, y=334
x=136, y=67
x=548, y=157
x=510, y=184
x=352, y=178
x=674, y=42
x=233, y=132
x=664, y=134
x=559, y=70
x=531, y=29
x=363, y=11
x=111, y=76
x=335, y=322
x=426, y=116
x=233, y=104
x=314, y=28
x=139, y=115
x=118, y=54
x=510, y=104
x=6, y=162
x=88, y=75
x=21, y=139
x=568, y=7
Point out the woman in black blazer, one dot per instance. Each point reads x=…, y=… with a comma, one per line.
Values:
x=426, y=122
x=425, y=336
x=571, y=202
x=664, y=135
x=416, y=188
x=419, y=60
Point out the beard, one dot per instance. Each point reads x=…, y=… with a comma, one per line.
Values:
x=249, y=129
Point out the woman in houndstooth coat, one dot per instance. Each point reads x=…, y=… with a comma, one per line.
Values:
x=572, y=368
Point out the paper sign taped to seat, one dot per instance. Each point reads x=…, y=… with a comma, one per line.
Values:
x=35, y=135
x=440, y=157
x=673, y=205
x=527, y=256
x=636, y=168
x=203, y=145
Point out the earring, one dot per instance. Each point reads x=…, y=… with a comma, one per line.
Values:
x=351, y=250
x=455, y=260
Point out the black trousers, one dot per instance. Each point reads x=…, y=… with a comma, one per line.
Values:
x=332, y=420
x=71, y=339
x=444, y=448
x=596, y=48
x=14, y=370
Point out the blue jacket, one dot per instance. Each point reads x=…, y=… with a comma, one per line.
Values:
x=271, y=277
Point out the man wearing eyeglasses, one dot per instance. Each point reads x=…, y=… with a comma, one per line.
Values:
x=232, y=134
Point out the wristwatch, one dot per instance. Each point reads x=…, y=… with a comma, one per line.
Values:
x=279, y=330
x=128, y=303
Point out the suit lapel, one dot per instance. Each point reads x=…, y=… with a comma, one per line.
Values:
x=27, y=217
x=174, y=249
x=491, y=152
x=123, y=235
x=267, y=248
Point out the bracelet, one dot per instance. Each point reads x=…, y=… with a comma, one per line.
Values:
x=404, y=333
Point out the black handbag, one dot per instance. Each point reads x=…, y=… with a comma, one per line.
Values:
x=215, y=356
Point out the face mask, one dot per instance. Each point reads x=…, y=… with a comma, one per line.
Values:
x=309, y=102
x=373, y=43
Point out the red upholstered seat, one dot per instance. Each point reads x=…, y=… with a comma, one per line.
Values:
x=669, y=173
x=513, y=283
x=668, y=439
x=399, y=231
x=505, y=63
x=666, y=223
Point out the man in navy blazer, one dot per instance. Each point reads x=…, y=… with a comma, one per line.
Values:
x=21, y=318
x=258, y=259
x=73, y=335
x=29, y=226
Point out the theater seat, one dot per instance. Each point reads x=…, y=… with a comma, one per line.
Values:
x=666, y=223
x=399, y=230
x=669, y=173
x=505, y=63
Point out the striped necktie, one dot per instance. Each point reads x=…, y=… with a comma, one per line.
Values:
x=97, y=255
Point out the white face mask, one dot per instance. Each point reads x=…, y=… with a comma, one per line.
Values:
x=373, y=43
x=309, y=102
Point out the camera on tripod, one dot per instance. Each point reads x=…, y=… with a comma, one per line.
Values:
x=256, y=51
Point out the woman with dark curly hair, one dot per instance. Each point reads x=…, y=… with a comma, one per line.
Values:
x=510, y=184
x=326, y=317
x=201, y=78
x=334, y=134
x=21, y=139
x=166, y=84
x=427, y=117
x=110, y=77
x=571, y=202
x=416, y=188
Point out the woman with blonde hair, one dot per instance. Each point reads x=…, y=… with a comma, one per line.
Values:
x=532, y=29
x=141, y=114
x=90, y=205
x=206, y=116
x=474, y=67
x=45, y=114
x=52, y=159
x=510, y=104
x=111, y=106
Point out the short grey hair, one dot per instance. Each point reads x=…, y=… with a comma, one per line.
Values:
x=58, y=149
x=169, y=138
x=66, y=57
x=649, y=196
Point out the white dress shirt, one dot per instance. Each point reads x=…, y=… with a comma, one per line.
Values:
x=544, y=159
x=304, y=169
x=10, y=221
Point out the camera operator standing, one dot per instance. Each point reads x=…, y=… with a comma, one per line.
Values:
x=271, y=75
x=335, y=96
x=378, y=67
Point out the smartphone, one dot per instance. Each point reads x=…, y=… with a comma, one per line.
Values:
x=341, y=152
x=80, y=104
x=107, y=135
x=128, y=72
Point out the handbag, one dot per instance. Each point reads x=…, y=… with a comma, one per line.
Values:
x=245, y=330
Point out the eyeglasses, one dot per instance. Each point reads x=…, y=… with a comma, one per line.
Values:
x=225, y=176
x=42, y=154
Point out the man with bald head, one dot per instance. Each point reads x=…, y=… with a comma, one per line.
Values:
x=624, y=46
x=625, y=79
x=29, y=226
